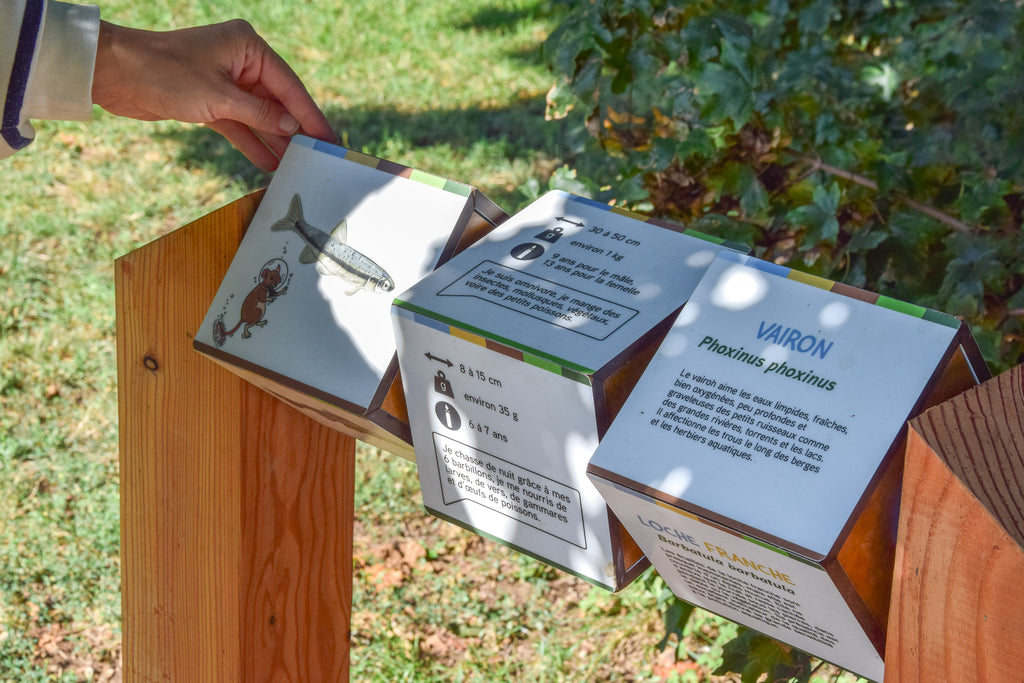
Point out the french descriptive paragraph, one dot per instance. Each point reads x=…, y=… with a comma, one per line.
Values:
x=469, y=473
x=543, y=299
x=747, y=424
x=719, y=586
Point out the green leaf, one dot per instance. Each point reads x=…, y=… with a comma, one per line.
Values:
x=815, y=18
x=741, y=181
x=560, y=101
x=819, y=217
x=737, y=58
x=586, y=77
x=663, y=152
x=736, y=653
x=915, y=230
x=727, y=228
x=632, y=191
x=825, y=130
x=727, y=94
x=974, y=268
x=531, y=189
x=991, y=344
x=565, y=179
x=735, y=31
x=623, y=79
x=865, y=240
x=1016, y=302
x=677, y=615
x=884, y=78
x=890, y=176
x=753, y=655
x=696, y=143
x=754, y=200
x=983, y=199
x=976, y=258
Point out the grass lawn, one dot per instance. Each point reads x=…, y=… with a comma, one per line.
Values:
x=455, y=88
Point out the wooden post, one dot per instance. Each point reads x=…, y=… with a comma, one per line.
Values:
x=957, y=612
x=236, y=510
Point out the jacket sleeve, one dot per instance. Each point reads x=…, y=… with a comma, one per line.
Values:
x=47, y=56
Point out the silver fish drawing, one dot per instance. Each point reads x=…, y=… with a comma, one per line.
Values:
x=331, y=253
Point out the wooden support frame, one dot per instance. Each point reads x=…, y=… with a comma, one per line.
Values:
x=957, y=611
x=236, y=509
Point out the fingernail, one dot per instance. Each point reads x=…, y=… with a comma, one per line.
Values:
x=288, y=124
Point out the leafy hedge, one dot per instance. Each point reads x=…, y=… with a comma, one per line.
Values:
x=879, y=143
x=875, y=142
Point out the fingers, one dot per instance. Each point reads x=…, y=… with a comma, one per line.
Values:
x=260, y=126
x=262, y=114
x=283, y=85
x=248, y=143
x=269, y=97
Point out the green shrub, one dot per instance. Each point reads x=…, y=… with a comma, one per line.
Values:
x=878, y=143
x=874, y=142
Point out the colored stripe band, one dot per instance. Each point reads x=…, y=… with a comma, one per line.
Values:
x=849, y=291
x=427, y=179
x=672, y=508
x=728, y=244
x=507, y=347
x=321, y=146
x=542, y=363
x=384, y=165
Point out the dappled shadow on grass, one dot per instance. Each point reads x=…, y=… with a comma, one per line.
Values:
x=511, y=133
x=204, y=148
x=521, y=124
x=505, y=134
x=499, y=21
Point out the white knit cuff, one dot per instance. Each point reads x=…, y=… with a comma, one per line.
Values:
x=60, y=86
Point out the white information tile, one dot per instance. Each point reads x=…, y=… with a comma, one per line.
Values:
x=771, y=592
x=502, y=447
x=308, y=295
x=772, y=402
x=569, y=279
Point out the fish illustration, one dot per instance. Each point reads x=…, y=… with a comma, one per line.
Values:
x=331, y=253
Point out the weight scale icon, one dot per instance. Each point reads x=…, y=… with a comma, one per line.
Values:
x=444, y=410
x=527, y=251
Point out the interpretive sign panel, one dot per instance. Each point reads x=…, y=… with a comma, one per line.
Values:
x=763, y=429
x=515, y=356
x=304, y=310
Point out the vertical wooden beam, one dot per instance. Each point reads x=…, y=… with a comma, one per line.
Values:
x=957, y=612
x=236, y=510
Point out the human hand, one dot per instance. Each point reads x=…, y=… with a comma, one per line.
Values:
x=223, y=75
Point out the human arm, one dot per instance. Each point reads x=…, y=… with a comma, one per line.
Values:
x=224, y=75
x=57, y=59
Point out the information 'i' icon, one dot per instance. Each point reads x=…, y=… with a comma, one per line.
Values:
x=447, y=414
x=527, y=251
